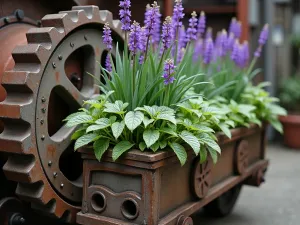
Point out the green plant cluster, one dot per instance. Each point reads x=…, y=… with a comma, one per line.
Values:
x=105, y=124
x=289, y=93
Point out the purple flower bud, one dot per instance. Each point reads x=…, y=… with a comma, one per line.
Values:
x=143, y=40
x=257, y=53
x=240, y=54
x=107, y=40
x=208, y=33
x=108, y=66
x=235, y=28
x=167, y=33
x=168, y=71
x=201, y=24
x=180, y=55
x=229, y=42
x=222, y=43
x=263, y=37
x=134, y=37
x=125, y=14
x=198, y=50
x=208, y=52
x=151, y=17
x=191, y=33
x=156, y=32
x=246, y=52
x=177, y=15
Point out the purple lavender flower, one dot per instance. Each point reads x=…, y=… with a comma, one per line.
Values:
x=168, y=71
x=229, y=42
x=108, y=66
x=222, y=43
x=134, y=37
x=208, y=51
x=235, y=28
x=208, y=33
x=125, y=14
x=191, y=33
x=246, y=52
x=263, y=37
x=235, y=52
x=152, y=15
x=198, y=50
x=107, y=40
x=177, y=15
x=180, y=55
x=201, y=24
x=167, y=33
x=156, y=32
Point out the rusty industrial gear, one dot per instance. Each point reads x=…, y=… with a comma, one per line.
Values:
x=48, y=82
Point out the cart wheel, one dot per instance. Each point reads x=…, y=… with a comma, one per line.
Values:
x=223, y=205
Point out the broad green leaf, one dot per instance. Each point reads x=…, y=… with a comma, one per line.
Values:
x=147, y=121
x=225, y=129
x=155, y=146
x=133, y=119
x=79, y=119
x=77, y=134
x=118, y=107
x=112, y=119
x=163, y=144
x=150, y=137
x=212, y=144
x=191, y=140
x=142, y=146
x=84, y=140
x=277, y=110
x=166, y=116
x=100, y=146
x=203, y=128
x=203, y=154
x=117, y=128
x=94, y=128
x=103, y=122
x=179, y=151
x=276, y=124
x=120, y=148
x=168, y=130
x=213, y=154
x=74, y=115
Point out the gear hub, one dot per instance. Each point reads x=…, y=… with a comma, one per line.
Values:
x=48, y=82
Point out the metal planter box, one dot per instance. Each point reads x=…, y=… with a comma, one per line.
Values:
x=152, y=188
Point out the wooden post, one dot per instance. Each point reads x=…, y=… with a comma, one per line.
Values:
x=168, y=5
x=242, y=14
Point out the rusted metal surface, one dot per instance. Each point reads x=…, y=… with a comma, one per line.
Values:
x=48, y=82
x=148, y=178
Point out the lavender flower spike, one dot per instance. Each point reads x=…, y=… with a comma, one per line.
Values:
x=229, y=42
x=208, y=33
x=235, y=52
x=168, y=71
x=107, y=40
x=235, y=28
x=167, y=34
x=125, y=14
x=201, y=24
x=134, y=37
x=177, y=15
x=223, y=39
x=108, y=66
x=152, y=15
x=208, y=52
x=191, y=33
x=198, y=50
x=264, y=35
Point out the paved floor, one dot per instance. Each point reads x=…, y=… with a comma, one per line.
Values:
x=276, y=202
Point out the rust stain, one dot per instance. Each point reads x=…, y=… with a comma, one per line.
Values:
x=51, y=150
x=97, y=51
x=57, y=76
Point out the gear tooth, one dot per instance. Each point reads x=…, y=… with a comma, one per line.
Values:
x=62, y=22
x=106, y=16
x=22, y=81
x=46, y=36
x=15, y=106
x=117, y=27
x=77, y=16
x=91, y=11
x=29, y=57
x=31, y=192
x=21, y=168
x=15, y=138
x=49, y=208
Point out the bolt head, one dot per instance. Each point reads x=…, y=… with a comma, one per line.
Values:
x=53, y=65
x=43, y=99
x=60, y=57
x=54, y=174
x=61, y=185
x=50, y=163
x=42, y=121
x=19, y=14
x=43, y=110
x=72, y=44
x=6, y=20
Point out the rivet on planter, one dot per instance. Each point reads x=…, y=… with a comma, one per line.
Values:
x=61, y=185
x=53, y=65
x=60, y=57
x=42, y=121
x=43, y=137
x=72, y=44
x=54, y=174
x=50, y=163
x=43, y=99
x=43, y=110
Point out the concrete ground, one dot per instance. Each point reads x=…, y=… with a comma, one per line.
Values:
x=276, y=202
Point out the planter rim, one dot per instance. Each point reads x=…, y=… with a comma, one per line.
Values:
x=290, y=118
x=150, y=157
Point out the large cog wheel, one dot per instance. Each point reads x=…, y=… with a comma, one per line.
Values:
x=48, y=82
